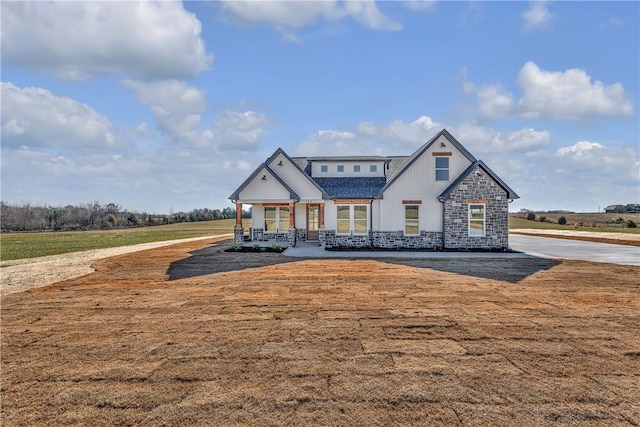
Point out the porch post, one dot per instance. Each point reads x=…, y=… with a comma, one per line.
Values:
x=321, y=232
x=321, y=216
x=292, y=224
x=239, y=214
x=238, y=231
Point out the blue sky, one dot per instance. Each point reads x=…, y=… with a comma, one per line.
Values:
x=168, y=106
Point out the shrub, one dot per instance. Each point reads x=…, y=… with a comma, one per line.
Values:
x=256, y=246
x=631, y=224
x=531, y=216
x=543, y=218
x=562, y=220
x=234, y=247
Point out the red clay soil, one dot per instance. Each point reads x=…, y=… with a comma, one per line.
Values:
x=324, y=342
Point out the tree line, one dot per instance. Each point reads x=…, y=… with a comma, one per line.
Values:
x=96, y=216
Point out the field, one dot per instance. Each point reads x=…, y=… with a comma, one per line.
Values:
x=191, y=335
x=30, y=245
x=607, y=222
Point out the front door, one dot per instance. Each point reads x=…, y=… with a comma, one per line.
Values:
x=313, y=222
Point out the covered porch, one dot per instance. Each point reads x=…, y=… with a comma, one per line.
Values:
x=281, y=223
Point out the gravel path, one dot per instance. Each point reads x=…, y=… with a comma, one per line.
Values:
x=23, y=274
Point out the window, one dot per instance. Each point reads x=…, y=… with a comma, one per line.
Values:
x=356, y=168
x=411, y=219
x=344, y=220
x=352, y=219
x=476, y=220
x=324, y=168
x=442, y=169
x=340, y=168
x=276, y=219
x=373, y=168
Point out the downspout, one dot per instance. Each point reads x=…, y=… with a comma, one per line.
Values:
x=371, y=223
x=441, y=200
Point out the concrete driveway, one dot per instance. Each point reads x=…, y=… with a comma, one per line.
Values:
x=547, y=247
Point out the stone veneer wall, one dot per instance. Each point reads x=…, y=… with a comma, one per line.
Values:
x=382, y=239
x=332, y=240
x=456, y=214
x=258, y=235
x=301, y=234
x=397, y=240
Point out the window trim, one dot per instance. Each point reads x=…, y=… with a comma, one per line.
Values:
x=356, y=168
x=278, y=219
x=441, y=168
x=373, y=168
x=484, y=220
x=340, y=168
x=415, y=222
x=324, y=168
x=352, y=220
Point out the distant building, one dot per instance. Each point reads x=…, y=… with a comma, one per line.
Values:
x=615, y=209
x=633, y=207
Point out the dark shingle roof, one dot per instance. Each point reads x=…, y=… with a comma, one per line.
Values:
x=351, y=188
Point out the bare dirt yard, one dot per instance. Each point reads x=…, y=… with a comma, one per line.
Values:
x=191, y=335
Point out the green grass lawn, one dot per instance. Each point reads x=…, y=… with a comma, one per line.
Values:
x=600, y=222
x=30, y=245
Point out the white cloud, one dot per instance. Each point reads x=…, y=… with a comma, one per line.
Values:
x=400, y=134
x=420, y=5
x=556, y=95
x=367, y=13
x=537, y=16
x=568, y=95
x=494, y=101
x=596, y=164
x=581, y=149
x=239, y=131
x=36, y=117
x=176, y=107
x=172, y=95
x=482, y=140
x=282, y=14
x=288, y=15
x=79, y=40
x=335, y=143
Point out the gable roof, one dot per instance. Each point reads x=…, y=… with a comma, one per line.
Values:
x=263, y=167
x=478, y=163
x=297, y=166
x=420, y=151
x=352, y=187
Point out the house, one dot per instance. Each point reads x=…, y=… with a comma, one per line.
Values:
x=440, y=197
x=633, y=207
x=615, y=209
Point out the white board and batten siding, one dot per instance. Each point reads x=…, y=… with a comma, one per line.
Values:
x=264, y=190
x=348, y=168
x=419, y=183
x=295, y=179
